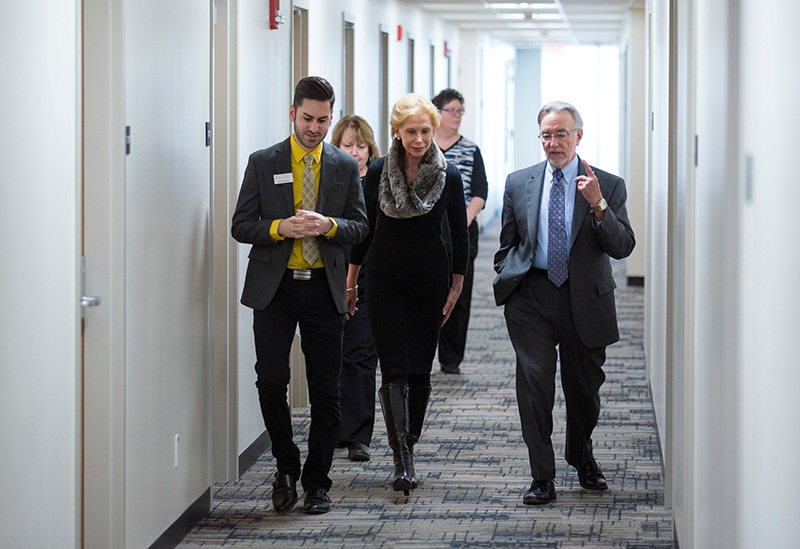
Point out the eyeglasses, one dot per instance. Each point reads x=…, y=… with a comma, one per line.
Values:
x=454, y=112
x=560, y=134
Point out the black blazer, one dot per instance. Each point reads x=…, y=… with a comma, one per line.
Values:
x=261, y=201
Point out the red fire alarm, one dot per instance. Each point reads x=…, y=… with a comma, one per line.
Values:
x=399, y=32
x=274, y=6
x=446, y=51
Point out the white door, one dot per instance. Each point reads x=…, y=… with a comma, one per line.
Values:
x=148, y=254
x=167, y=263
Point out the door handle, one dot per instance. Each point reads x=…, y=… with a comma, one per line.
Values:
x=86, y=300
x=89, y=301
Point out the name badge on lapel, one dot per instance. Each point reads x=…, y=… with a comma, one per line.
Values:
x=282, y=178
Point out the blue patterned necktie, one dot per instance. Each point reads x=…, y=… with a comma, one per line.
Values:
x=309, y=202
x=557, y=233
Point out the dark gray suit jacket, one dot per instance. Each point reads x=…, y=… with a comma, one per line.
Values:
x=590, y=281
x=261, y=201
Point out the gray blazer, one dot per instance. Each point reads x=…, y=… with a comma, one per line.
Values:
x=261, y=201
x=590, y=281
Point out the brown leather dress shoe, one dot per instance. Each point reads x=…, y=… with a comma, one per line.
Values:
x=540, y=492
x=358, y=451
x=284, y=492
x=316, y=502
x=591, y=477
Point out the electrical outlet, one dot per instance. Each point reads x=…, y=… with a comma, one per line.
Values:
x=177, y=450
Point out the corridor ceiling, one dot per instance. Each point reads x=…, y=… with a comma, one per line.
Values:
x=539, y=23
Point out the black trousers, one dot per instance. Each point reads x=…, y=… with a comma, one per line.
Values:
x=453, y=335
x=539, y=318
x=309, y=303
x=359, y=365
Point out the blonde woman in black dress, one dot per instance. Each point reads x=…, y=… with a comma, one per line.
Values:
x=411, y=285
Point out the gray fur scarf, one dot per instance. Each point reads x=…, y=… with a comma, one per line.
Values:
x=402, y=200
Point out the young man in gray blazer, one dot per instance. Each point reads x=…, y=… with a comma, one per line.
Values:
x=562, y=219
x=300, y=206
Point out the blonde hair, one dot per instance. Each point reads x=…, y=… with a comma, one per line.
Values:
x=413, y=105
x=362, y=131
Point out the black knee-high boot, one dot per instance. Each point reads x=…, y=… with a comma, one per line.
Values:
x=418, y=397
x=394, y=403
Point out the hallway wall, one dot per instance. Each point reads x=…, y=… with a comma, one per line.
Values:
x=262, y=64
x=495, y=98
x=326, y=38
x=716, y=244
x=39, y=249
x=657, y=202
x=634, y=115
x=167, y=224
x=768, y=372
x=721, y=295
x=681, y=314
x=528, y=101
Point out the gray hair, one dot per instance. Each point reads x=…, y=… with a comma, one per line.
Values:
x=558, y=106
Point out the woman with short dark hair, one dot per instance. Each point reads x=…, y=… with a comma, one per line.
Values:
x=466, y=156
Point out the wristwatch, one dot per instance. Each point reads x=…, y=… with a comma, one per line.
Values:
x=602, y=205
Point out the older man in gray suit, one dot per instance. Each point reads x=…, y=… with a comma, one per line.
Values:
x=300, y=206
x=562, y=219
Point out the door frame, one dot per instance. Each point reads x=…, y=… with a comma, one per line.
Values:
x=103, y=236
x=225, y=396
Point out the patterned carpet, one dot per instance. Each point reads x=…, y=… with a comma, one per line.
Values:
x=472, y=463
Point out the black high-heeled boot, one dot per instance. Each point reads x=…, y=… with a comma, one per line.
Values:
x=418, y=397
x=394, y=403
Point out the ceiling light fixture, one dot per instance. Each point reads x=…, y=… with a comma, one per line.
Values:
x=532, y=25
x=546, y=16
x=519, y=5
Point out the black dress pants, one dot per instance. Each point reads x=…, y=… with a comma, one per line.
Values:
x=309, y=303
x=539, y=318
x=359, y=365
x=453, y=335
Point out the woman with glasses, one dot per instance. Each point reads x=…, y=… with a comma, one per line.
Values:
x=411, y=285
x=466, y=156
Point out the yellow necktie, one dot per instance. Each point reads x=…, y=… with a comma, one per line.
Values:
x=310, y=246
